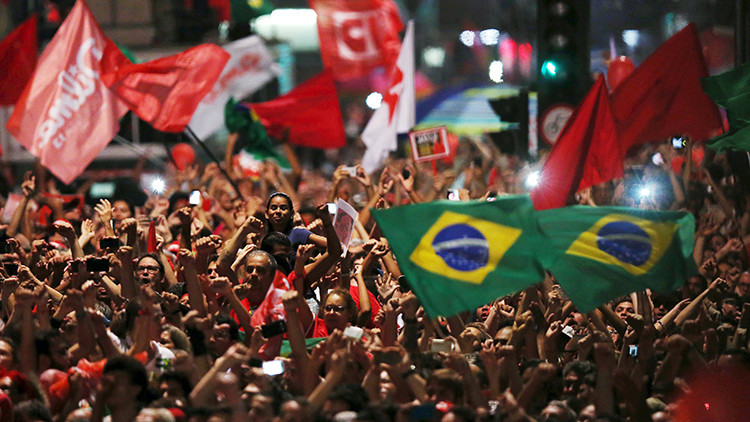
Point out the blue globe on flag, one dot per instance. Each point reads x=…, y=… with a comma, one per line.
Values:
x=625, y=241
x=462, y=247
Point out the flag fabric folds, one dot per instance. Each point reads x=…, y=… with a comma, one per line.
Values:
x=606, y=252
x=663, y=96
x=397, y=111
x=250, y=66
x=18, y=53
x=458, y=256
x=731, y=90
x=357, y=35
x=164, y=92
x=66, y=115
x=586, y=153
x=311, y=112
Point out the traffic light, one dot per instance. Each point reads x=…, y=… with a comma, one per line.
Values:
x=513, y=110
x=563, y=61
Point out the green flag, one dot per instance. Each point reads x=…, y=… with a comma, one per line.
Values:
x=461, y=255
x=731, y=90
x=606, y=252
x=254, y=141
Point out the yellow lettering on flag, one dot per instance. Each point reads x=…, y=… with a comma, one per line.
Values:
x=632, y=243
x=463, y=247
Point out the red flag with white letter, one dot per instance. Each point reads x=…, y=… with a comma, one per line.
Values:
x=397, y=111
x=17, y=61
x=66, y=115
x=357, y=35
x=164, y=92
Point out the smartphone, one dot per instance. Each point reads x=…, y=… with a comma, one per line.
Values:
x=453, y=195
x=441, y=345
x=273, y=367
x=97, y=265
x=633, y=350
x=352, y=170
x=332, y=208
x=74, y=265
x=353, y=332
x=112, y=243
x=678, y=142
x=273, y=329
x=391, y=358
x=195, y=197
x=569, y=331
x=11, y=268
x=405, y=173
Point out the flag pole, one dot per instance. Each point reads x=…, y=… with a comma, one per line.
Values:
x=211, y=155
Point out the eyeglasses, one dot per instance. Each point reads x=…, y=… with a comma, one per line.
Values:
x=335, y=308
x=149, y=268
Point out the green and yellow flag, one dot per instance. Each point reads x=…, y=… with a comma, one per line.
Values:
x=461, y=255
x=606, y=252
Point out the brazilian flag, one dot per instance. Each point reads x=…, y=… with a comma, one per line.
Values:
x=461, y=255
x=606, y=252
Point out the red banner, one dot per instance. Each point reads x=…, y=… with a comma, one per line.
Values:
x=357, y=35
x=18, y=58
x=164, y=92
x=66, y=115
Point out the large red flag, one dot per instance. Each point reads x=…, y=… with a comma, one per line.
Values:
x=66, y=115
x=310, y=111
x=164, y=92
x=17, y=61
x=357, y=35
x=270, y=310
x=586, y=153
x=663, y=96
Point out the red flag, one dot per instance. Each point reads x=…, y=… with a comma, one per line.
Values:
x=164, y=92
x=66, y=115
x=586, y=153
x=663, y=96
x=311, y=111
x=357, y=35
x=17, y=61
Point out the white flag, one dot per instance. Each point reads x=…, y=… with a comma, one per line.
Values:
x=250, y=67
x=396, y=113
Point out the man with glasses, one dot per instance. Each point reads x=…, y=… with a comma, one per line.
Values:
x=150, y=271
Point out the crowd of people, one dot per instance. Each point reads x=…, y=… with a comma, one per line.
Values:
x=243, y=305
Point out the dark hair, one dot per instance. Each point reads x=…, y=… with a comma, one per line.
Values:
x=180, y=378
x=585, y=370
x=174, y=198
x=153, y=256
x=353, y=395
x=130, y=205
x=135, y=371
x=273, y=239
x=290, y=223
x=450, y=380
x=31, y=410
x=344, y=294
x=234, y=328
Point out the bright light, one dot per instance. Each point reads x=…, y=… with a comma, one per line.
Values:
x=496, y=71
x=645, y=192
x=374, y=100
x=158, y=185
x=434, y=56
x=631, y=37
x=533, y=179
x=489, y=36
x=550, y=68
x=467, y=38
